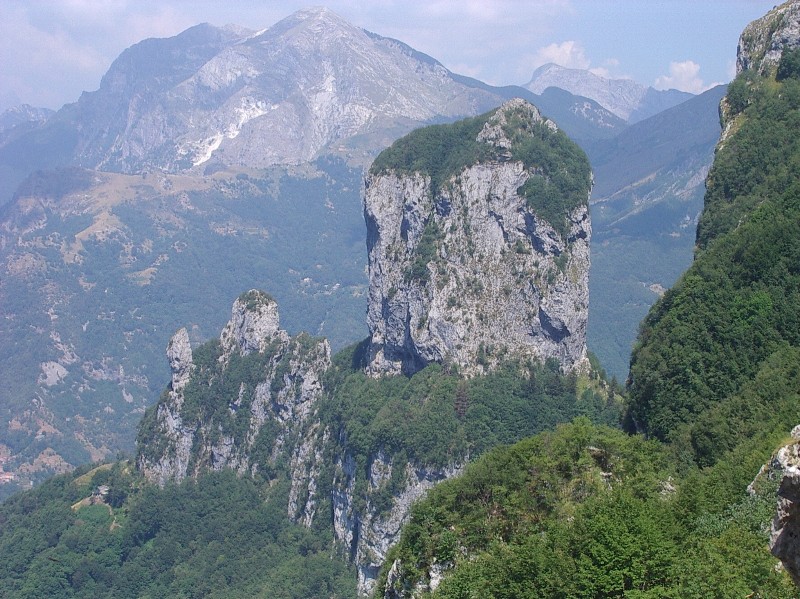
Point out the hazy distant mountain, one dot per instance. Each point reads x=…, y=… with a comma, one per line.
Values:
x=312, y=84
x=23, y=114
x=16, y=122
x=629, y=100
x=281, y=95
x=647, y=197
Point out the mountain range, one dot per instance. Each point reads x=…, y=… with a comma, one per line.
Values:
x=181, y=168
x=625, y=98
x=469, y=446
x=212, y=98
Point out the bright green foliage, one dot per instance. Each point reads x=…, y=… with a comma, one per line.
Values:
x=439, y=151
x=425, y=252
x=560, y=174
x=738, y=94
x=768, y=404
x=758, y=163
x=737, y=304
x=225, y=536
x=566, y=176
x=221, y=536
x=437, y=418
x=588, y=512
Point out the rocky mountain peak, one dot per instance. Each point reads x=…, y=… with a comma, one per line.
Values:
x=315, y=26
x=625, y=98
x=478, y=248
x=284, y=95
x=179, y=354
x=501, y=128
x=762, y=41
x=253, y=325
x=203, y=423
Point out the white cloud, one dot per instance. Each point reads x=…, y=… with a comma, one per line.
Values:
x=568, y=54
x=684, y=76
x=571, y=54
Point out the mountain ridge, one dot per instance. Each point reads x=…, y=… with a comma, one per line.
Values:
x=627, y=99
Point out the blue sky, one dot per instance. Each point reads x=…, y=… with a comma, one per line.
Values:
x=51, y=50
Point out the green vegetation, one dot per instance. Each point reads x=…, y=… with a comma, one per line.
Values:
x=563, y=178
x=789, y=64
x=425, y=252
x=221, y=536
x=560, y=174
x=219, y=395
x=228, y=536
x=438, y=151
x=737, y=305
x=437, y=418
x=580, y=510
x=587, y=511
x=253, y=299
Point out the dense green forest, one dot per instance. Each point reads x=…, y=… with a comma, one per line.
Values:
x=588, y=511
x=229, y=536
x=220, y=536
x=737, y=305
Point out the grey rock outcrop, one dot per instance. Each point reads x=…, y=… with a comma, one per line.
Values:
x=246, y=431
x=470, y=274
x=272, y=418
x=762, y=42
x=179, y=354
x=784, y=540
x=253, y=325
x=370, y=533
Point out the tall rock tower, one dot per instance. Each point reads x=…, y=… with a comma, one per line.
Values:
x=478, y=240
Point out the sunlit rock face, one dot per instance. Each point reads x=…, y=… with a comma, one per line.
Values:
x=471, y=274
x=200, y=425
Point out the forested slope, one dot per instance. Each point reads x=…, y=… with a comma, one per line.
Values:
x=737, y=305
x=587, y=511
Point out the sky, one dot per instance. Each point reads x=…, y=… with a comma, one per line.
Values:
x=52, y=50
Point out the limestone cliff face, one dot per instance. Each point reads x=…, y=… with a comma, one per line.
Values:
x=368, y=531
x=470, y=271
x=202, y=423
x=249, y=402
x=762, y=42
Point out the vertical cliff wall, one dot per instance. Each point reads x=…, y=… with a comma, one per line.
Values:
x=478, y=243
